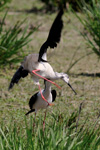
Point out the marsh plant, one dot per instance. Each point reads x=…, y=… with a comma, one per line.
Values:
x=58, y=134
x=91, y=23
x=12, y=41
x=91, y=28
x=65, y=3
x=3, y=3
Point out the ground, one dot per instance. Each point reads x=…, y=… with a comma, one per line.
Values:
x=84, y=75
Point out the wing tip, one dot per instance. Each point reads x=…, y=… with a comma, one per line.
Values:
x=54, y=36
x=32, y=110
x=10, y=86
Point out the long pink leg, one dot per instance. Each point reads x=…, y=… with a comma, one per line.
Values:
x=44, y=97
x=34, y=71
x=44, y=121
x=34, y=122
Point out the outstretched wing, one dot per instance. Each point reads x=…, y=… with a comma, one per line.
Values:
x=20, y=73
x=53, y=37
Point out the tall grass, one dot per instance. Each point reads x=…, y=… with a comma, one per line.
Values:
x=57, y=135
x=3, y=3
x=56, y=3
x=12, y=41
x=91, y=23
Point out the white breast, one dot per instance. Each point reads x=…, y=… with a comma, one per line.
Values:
x=46, y=70
x=40, y=103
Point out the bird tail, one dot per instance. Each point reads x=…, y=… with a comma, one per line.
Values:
x=32, y=110
x=16, y=77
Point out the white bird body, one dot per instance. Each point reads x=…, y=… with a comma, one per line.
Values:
x=31, y=63
x=39, y=61
x=40, y=103
x=36, y=101
x=45, y=69
x=36, y=64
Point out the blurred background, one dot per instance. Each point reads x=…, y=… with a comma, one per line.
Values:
x=73, y=123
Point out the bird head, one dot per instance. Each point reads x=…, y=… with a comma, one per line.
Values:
x=65, y=78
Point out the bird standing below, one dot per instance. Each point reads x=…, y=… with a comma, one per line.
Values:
x=36, y=102
x=37, y=64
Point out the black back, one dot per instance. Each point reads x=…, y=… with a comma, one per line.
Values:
x=54, y=35
x=16, y=77
x=54, y=94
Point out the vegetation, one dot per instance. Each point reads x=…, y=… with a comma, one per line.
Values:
x=73, y=123
x=12, y=40
x=60, y=136
x=91, y=23
x=91, y=31
x=65, y=3
x=3, y=3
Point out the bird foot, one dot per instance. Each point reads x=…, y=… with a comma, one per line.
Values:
x=51, y=104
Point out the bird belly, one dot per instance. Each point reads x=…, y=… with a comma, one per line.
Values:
x=41, y=104
x=46, y=70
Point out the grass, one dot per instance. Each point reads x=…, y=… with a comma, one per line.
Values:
x=12, y=41
x=59, y=134
x=60, y=131
x=91, y=26
x=3, y=3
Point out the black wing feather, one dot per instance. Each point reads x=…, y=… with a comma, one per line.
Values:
x=33, y=99
x=16, y=77
x=54, y=94
x=54, y=35
x=32, y=110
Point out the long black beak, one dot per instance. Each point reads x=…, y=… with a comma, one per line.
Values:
x=72, y=88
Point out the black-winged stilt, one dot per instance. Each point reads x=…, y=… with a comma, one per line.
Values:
x=38, y=62
x=36, y=102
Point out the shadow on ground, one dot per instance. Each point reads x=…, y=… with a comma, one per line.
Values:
x=86, y=74
x=44, y=9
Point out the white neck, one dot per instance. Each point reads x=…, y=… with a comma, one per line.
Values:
x=47, y=89
x=47, y=86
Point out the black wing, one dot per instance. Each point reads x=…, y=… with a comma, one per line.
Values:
x=33, y=99
x=54, y=94
x=32, y=110
x=53, y=37
x=16, y=77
